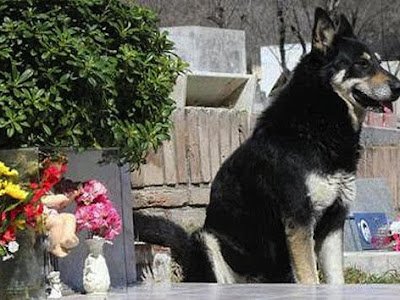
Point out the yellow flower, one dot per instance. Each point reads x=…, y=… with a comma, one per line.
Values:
x=4, y=170
x=14, y=190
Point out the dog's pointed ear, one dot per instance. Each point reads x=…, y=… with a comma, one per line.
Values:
x=323, y=32
x=345, y=29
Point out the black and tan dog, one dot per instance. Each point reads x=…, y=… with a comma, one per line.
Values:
x=279, y=202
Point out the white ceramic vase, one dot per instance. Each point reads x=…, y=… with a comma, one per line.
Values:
x=96, y=278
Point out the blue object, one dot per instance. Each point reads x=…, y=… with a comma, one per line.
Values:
x=368, y=225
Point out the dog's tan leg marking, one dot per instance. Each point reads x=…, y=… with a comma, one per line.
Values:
x=330, y=256
x=301, y=248
x=222, y=271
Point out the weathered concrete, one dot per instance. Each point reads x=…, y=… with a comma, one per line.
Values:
x=210, y=291
x=373, y=262
x=210, y=49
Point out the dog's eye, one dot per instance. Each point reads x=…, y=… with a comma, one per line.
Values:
x=363, y=63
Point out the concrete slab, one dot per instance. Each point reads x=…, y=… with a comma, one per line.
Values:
x=211, y=89
x=210, y=49
x=209, y=291
x=373, y=262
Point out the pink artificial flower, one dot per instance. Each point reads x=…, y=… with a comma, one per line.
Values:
x=95, y=212
x=91, y=191
x=83, y=218
x=114, y=225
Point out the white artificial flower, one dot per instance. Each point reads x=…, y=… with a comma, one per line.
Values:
x=13, y=247
x=395, y=227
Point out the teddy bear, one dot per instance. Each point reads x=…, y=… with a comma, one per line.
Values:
x=60, y=226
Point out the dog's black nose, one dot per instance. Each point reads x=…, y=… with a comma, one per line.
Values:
x=395, y=87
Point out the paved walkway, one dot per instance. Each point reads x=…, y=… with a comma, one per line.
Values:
x=202, y=291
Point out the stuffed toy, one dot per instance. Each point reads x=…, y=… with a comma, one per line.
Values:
x=57, y=202
x=61, y=227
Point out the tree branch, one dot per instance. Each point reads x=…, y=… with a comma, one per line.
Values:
x=282, y=36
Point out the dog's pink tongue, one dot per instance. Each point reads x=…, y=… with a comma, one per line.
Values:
x=387, y=107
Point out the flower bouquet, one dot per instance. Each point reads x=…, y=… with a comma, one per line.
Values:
x=388, y=237
x=20, y=210
x=96, y=214
x=21, y=220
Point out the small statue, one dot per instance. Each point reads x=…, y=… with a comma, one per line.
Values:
x=55, y=287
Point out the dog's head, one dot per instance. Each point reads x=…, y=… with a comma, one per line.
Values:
x=354, y=71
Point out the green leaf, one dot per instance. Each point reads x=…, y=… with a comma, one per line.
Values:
x=10, y=131
x=26, y=75
x=18, y=127
x=46, y=129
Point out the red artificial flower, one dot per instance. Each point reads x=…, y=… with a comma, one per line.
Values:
x=29, y=210
x=3, y=216
x=38, y=194
x=34, y=185
x=39, y=209
x=13, y=214
x=52, y=175
x=32, y=212
x=9, y=235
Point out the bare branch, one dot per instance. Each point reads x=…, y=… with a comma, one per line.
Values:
x=332, y=5
x=282, y=35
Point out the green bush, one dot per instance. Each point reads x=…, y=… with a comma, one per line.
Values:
x=84, y=73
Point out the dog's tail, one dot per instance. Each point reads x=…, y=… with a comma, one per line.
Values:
x=160, y=231
x=187, y=250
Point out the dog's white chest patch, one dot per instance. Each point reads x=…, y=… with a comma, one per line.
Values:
x=323, y=190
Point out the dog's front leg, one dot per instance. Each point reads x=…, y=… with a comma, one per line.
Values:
x=330, y=255
x=300, y=241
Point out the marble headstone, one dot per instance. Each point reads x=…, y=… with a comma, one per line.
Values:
x=373, y=196
x=120, y=256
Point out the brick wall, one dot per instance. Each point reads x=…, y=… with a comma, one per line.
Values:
x=384, y=120
x=382, y=161
x=175, y=182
